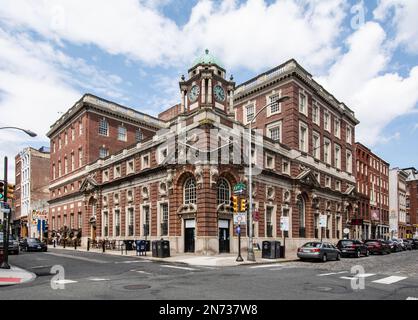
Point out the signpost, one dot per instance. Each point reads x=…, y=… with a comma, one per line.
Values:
x=284, y=226
x=240, y=218
x=322, y=223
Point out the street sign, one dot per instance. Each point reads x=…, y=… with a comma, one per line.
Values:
x=346, y=231
x=240, y=218
x=238, y=230
x=240, y=188
x=323, y=221
x=284, y=223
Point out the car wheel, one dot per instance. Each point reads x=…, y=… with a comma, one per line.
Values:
x=338, y=257
x=367, y=253
x=324, y=258
x=358, y=254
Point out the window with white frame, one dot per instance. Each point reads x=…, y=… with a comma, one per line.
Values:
x=145, y=161
x=72, y=134
x=327, y=182
x=130, y=166
x=249, y=113
x=162, y=154
x=303, y=137
x=270, y=161
x=223, y=191
x=274, y=131
x=139, y=136
x=164, y=219
x=275, y=106
x=80, y=128
x=59, y=143
x=105, y=175
x=327, y=121
x=131, y=222
x=327, y=151
x=103, y=152
x=117, y=171
x=349, y=134
x=116, y=232
x=53, y=146
x=190, y=191
x=59, y=168
x=146, y=219
x=116, y=199
x=337, y=128
x=53, y=171
x=349, y=162
x=65, y=165
x=337, y=156
x=122, y=136
x=80, y=157
x=103, y=127
x=316, y=145
x=303, y=103
x=72, y=161
x=338, y=185
x=130, y=196
x=286, y=167
x=269, y=222
x=66, y=138
x=315, y=113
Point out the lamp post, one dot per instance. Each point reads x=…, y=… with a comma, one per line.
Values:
x=5, y=264
x=251, y=256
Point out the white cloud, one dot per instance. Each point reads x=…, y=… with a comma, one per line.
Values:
x=404, y=15
x=360, y=79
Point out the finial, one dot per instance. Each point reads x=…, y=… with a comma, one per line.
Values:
x=207, y=51
x=182, y=77
x=231, y=78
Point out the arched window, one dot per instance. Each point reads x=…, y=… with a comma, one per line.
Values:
x=103, y=127
x=301, y=209
x=223, y=191
x=190, y=191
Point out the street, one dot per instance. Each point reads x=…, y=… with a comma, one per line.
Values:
x=98, y=276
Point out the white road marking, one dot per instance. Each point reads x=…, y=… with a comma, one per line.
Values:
x=76, y=258
x=390, y=280
x=331, y=273
x=263, y=266
x=140, y=271
x=64, y=281
x=411, y=298
x=361, y=275
x=131, y=261
x=99, y=279
x=347, y=278
x=177, y=267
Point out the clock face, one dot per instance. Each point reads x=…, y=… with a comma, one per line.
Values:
x=219, y=93
x=194, y=93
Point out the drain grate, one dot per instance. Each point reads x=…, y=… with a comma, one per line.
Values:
x=137, y=287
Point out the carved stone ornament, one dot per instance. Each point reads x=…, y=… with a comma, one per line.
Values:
x=214, y=175
x=199, y=174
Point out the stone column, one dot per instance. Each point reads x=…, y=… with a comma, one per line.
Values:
x=182, y=101
x=209, y=91
x=203, y=91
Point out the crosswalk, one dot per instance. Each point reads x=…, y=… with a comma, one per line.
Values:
x=373, y=277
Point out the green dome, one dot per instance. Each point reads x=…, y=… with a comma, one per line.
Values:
x=207, y=58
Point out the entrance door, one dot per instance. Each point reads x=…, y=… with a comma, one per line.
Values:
x=189, y=235
x=224, y=236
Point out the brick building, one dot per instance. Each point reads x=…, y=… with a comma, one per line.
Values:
x=397, y=203
x=373, y=194
x=32, y=169
x=175, y=178
x=411, y=202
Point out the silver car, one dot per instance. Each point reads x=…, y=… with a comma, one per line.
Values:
x=318, y=251
x=13, y=244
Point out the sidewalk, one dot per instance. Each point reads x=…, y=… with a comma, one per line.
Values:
x=15, y=275
x=223, y=260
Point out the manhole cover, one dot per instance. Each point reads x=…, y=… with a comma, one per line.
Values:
x=137, y=287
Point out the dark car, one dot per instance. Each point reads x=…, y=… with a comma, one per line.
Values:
x=415, y=244
x=318, y=251
x=33, y=244
x=408, y=244
x=377, y=246
x=394, y=246
x=353, y=248
x=13, y=244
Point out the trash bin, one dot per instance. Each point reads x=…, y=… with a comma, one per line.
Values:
x=155, y=244
x=164, y=249
x=128, y=245
x=282, y=252
x=148, y=245
x=141, y=247
x=271, y=250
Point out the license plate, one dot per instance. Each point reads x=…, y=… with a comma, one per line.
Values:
x=344, y=250
x=306, y=250
x=39, y=247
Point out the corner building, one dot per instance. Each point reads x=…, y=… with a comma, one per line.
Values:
x=172, y=181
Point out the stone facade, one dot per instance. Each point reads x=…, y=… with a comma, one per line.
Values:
x=397, y=203
x=176, y=182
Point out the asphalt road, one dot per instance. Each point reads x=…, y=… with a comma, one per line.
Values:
x=97, y=276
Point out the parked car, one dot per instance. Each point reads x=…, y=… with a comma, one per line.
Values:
x=415, y=244
x=377, y=246
x=318, y=251
x=408, y=244
x=33, y=244
x=13, y=244
x=394, y=246
x=400, y=241
x=354, y=248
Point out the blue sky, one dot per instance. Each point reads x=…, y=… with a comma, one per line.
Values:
x=134, y=53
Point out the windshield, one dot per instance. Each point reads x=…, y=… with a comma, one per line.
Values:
x=312, y=245
x=10, y=237
x=346, y=243
x=33, y=240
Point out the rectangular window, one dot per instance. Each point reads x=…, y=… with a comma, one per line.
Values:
x=131, y=221
x=327, y=182
x=117, y=223
x=349, y=135
x=59, y=143
x=269, y=223
x=274, y=131
x=103, y=152
x=337, y=157
x=303, y=137
x=80, y=220
x=130, y=167
x=53, y=146
x=72, y=221
x=72, y=162
x=269, y=161
x=105, y=224
x=316, y=145
x=250, y=113
x=122, y=134
x=145, y=161
x=286, y=167
x=103, y=127
x=315, y=114
x=117, y=171
x=303, y=103
x=164, y=219
x=146, y=226
x=274, y=105
x=349, y=162
x=72, y=134
x=80, y=157
x=59, y=169
x=53, y=171
x=65, y=138
x=327, y=151
x=327, y=121
x=337, y=128
x=80, y=128
x=105, y=175
x=338, y=185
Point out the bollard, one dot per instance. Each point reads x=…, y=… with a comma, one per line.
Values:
x=103, y=246
x=64, y=243
x=75, y=244
x=121, y=248
x=88, y=244
x=54, y=241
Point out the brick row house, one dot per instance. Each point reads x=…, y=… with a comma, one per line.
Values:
x=373, y=195
x=119, y=174
x=411, y=202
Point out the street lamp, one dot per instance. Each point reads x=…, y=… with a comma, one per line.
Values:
x=28, y=132
x=250, y=256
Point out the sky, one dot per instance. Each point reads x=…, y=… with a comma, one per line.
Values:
x=134, y=52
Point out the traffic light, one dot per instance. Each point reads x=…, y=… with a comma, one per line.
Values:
x=10, y=191
x=1, y=190
x=243, y=205
x=234, y=203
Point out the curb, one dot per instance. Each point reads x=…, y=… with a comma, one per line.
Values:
x=13, y=279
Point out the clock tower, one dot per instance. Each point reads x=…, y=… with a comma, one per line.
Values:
x=206, y=86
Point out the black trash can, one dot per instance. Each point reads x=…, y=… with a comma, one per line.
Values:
x=147, y=245
x=128, y=245
x=164, y=249
x=155, y=245
x=266, y=250
x=271, y=250
x=282, y=252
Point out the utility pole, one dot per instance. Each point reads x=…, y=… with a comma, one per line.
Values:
x=5, y=264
